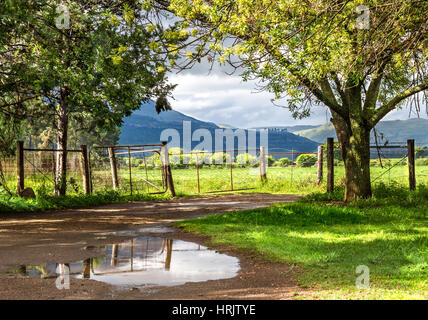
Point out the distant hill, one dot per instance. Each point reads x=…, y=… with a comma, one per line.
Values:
x=289, y=128
x=318, y=134
x=393, y=131
x=145, y=127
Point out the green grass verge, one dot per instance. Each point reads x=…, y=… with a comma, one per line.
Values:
x=16, y=204
x=387, y=234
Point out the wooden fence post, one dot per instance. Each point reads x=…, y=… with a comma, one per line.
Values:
x=197, y=172
x=330, y=164
x=263, y=170
x=130, y=170
x=167, y=169
x=20, y=166
x=320, y=164
x=114, y=255
x=168, y=254
x=231, y=175
x=86, y=174
x=113, y=166
x=411, y=163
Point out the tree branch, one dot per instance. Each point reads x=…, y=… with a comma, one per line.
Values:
x=390, y=105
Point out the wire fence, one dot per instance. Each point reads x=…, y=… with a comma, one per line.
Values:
x=128, y=169
x=40, y=171
x=8, y=169
x=388, y=165
x=140, y=169
x=238, y=170
x=296, y=168
x=210, y=172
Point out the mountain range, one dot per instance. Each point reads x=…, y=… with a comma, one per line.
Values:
x=145, y=126
x=396, y=131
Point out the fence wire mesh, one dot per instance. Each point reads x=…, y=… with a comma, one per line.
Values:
x=388, y=165
x=139, y=169
x=294, y=169
x=8, y=169
x=210, y=172
x=40, y=171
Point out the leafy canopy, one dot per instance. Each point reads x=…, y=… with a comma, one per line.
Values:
x=102, y=64
x=318, y=50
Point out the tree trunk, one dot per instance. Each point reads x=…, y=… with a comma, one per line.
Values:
x=354, y=140
x=62, y=139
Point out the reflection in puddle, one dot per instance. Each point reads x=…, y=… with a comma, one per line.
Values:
x=146, y=261
x=134, y=233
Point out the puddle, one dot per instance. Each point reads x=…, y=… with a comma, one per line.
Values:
x=146, y=261
x=157, y=230
x=134, y=233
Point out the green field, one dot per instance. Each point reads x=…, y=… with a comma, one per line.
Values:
x=293, y=180
x=388, y=234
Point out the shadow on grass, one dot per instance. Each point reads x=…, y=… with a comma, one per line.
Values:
x=330, y=242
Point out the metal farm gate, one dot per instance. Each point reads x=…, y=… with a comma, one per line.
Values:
x=36, y=169
x=131, y=169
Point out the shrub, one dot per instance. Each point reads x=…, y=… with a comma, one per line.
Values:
x=420, y=152
x=220, y=158
x=271, y=161
x=306, y=160
x=283, y=162
x=338, y=163
x=200, y=157
x=245, y=159
x=337, y=153
x=143, y=166
x=175, y=156
x=421, y=162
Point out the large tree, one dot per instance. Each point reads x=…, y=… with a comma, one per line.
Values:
x=10, y=130
x=360, y=59
x=65, y=59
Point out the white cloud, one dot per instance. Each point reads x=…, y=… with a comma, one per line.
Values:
x=225, y=99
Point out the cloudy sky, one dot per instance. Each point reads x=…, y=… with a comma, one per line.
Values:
x=225, y=99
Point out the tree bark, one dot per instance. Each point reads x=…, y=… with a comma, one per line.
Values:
x=354, y=141
x=62, y=139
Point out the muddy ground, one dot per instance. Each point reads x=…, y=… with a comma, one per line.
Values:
x=49, y=237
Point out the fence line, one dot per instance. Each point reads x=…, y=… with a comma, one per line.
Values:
x=117, y=167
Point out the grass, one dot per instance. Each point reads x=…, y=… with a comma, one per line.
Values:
x=289, y=180
x=387, y=234
x=16, y=204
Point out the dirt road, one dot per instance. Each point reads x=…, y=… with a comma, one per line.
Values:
x=49, y=237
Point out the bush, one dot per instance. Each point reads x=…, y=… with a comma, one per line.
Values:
x=245, y=159
x=421, y=162
x=200, y=157
x=337, y=153
x=338, y=163
x=283, y=162
x=220, y=158
x=420, y=152
x=154, y=160
x=143, y=167
x=385, y=163
x=306, y=160
x=175, y=156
